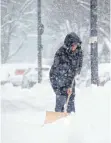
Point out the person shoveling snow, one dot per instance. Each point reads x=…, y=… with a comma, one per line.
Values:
x=67, y=64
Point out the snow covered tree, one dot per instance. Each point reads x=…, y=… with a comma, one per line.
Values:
x=16, y=22
x=68, y=15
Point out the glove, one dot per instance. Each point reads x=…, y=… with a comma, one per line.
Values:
x=69, y=91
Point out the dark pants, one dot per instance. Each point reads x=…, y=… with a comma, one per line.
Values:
x=61, y=98
x=60, y=102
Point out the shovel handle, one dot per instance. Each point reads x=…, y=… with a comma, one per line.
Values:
x=66, y=105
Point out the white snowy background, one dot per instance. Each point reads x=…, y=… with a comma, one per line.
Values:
x=21, y=109
x=21, y=115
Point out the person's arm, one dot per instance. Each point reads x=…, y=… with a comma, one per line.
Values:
x=57, y=58
x=70, y=82
x=71, y=76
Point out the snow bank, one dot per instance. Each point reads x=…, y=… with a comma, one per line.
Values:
x=90, y=124
x=41, y=96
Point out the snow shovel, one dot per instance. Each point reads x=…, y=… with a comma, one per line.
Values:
x=66, y=105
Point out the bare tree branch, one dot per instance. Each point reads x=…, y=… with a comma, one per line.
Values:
x=20, y=46
x=15, y=20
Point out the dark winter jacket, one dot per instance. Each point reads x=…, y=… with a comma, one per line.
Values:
x=66, y=63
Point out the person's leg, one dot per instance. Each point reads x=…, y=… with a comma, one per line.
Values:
x=60, y=102
x=71, y=104
x=60, y=96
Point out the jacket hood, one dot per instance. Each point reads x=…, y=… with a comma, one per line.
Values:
x=72, y=38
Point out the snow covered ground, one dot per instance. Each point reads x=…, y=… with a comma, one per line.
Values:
x=20, y=121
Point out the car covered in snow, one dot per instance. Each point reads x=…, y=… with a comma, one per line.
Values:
x=4, y=75
x=30, y=77
x=16, y=73
x=17, y=76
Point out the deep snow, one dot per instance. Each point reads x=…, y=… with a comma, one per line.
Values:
x=21, y=121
